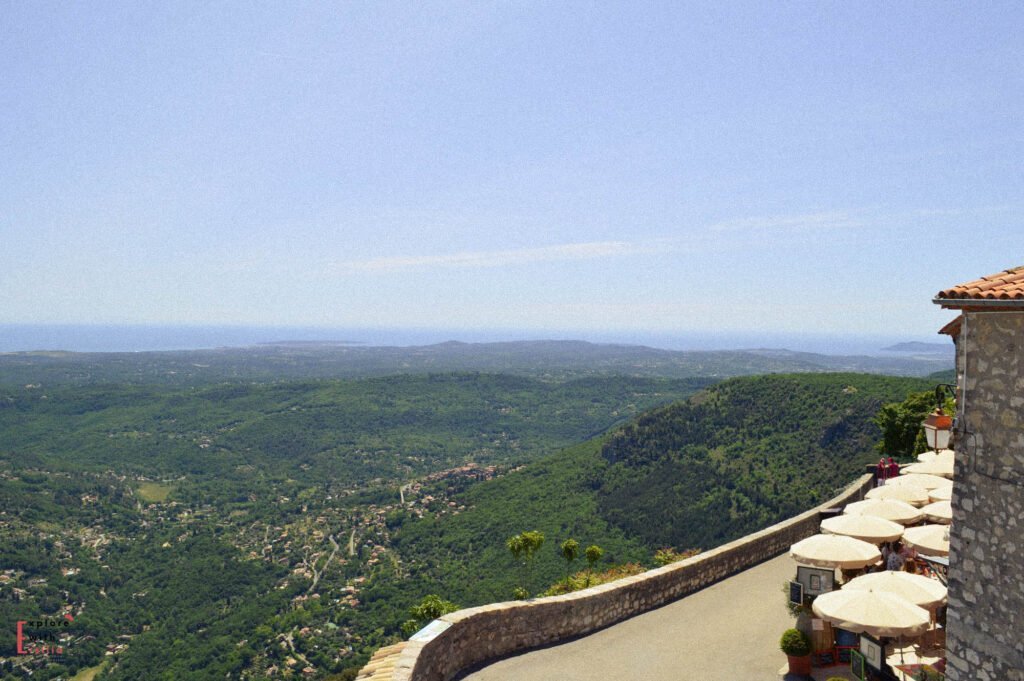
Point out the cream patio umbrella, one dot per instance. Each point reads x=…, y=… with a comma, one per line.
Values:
x=835, y=551
x=932, y=455
x=940, y=512
x=943, y=469
x=941, y=494
x=931, y=540
x=915, y=496
x=920, y=480
x=867, y=528
x=890, y=509
x=872, y=611
x=922, y=591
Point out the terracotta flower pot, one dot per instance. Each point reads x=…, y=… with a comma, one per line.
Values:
x=799, y=665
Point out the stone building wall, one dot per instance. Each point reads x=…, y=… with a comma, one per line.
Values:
x=985, y=620
x=473, y=636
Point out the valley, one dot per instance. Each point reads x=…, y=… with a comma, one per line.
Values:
x=284, y=528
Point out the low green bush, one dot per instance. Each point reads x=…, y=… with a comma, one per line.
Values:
x=795, y=643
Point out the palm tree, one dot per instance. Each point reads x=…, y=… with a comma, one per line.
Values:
x=570, y=552
x=525, y=546
x=592, y=554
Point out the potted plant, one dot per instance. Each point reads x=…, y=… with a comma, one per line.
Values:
x=797, y=646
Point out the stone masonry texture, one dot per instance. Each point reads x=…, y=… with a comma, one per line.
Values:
x=985, y=620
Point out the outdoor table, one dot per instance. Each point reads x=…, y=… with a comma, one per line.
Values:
x=911, y=672
x=914, y=660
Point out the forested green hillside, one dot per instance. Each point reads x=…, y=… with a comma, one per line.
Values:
x=199, y=533
x=465, y=558
x=744, y=454
x=747, y=453
x=343, y=431
x=244, y=530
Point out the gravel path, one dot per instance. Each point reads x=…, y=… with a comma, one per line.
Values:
x=726, y=632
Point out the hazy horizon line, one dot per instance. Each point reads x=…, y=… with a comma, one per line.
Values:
x=155, y=337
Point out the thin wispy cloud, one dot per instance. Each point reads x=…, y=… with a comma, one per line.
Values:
x=487, y=259
x=810, y=221
x=965, y=211
x=591, y=250
x=712, y=237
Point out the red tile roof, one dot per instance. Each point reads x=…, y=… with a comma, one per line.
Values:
x=1007, y=285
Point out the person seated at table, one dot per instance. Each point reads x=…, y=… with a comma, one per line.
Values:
x=908, y=555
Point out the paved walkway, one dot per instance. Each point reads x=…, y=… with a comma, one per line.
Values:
x=726, y=632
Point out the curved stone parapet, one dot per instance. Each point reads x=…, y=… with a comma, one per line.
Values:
x=468, y=638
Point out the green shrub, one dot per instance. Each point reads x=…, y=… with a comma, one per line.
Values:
x=795, y=643
x=582, y=580
x=430, y=608
x=795, y=609
x=669, y=555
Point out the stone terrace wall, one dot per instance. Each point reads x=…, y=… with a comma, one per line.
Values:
x=470, y=637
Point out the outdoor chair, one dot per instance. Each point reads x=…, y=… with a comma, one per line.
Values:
x=845, y=642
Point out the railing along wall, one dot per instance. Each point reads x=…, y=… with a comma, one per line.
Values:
x=468, y=638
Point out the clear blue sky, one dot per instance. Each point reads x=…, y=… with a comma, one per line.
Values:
x=819, y=167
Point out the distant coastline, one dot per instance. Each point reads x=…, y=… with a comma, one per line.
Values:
x=311, y=343
x=143, y=338
x=921, y=348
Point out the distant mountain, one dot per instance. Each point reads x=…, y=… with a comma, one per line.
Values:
x=922, y=348
x=547, y=360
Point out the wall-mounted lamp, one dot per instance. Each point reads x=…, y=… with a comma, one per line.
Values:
x=938, y=426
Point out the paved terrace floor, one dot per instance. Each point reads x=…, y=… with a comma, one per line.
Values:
x=728, y=631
